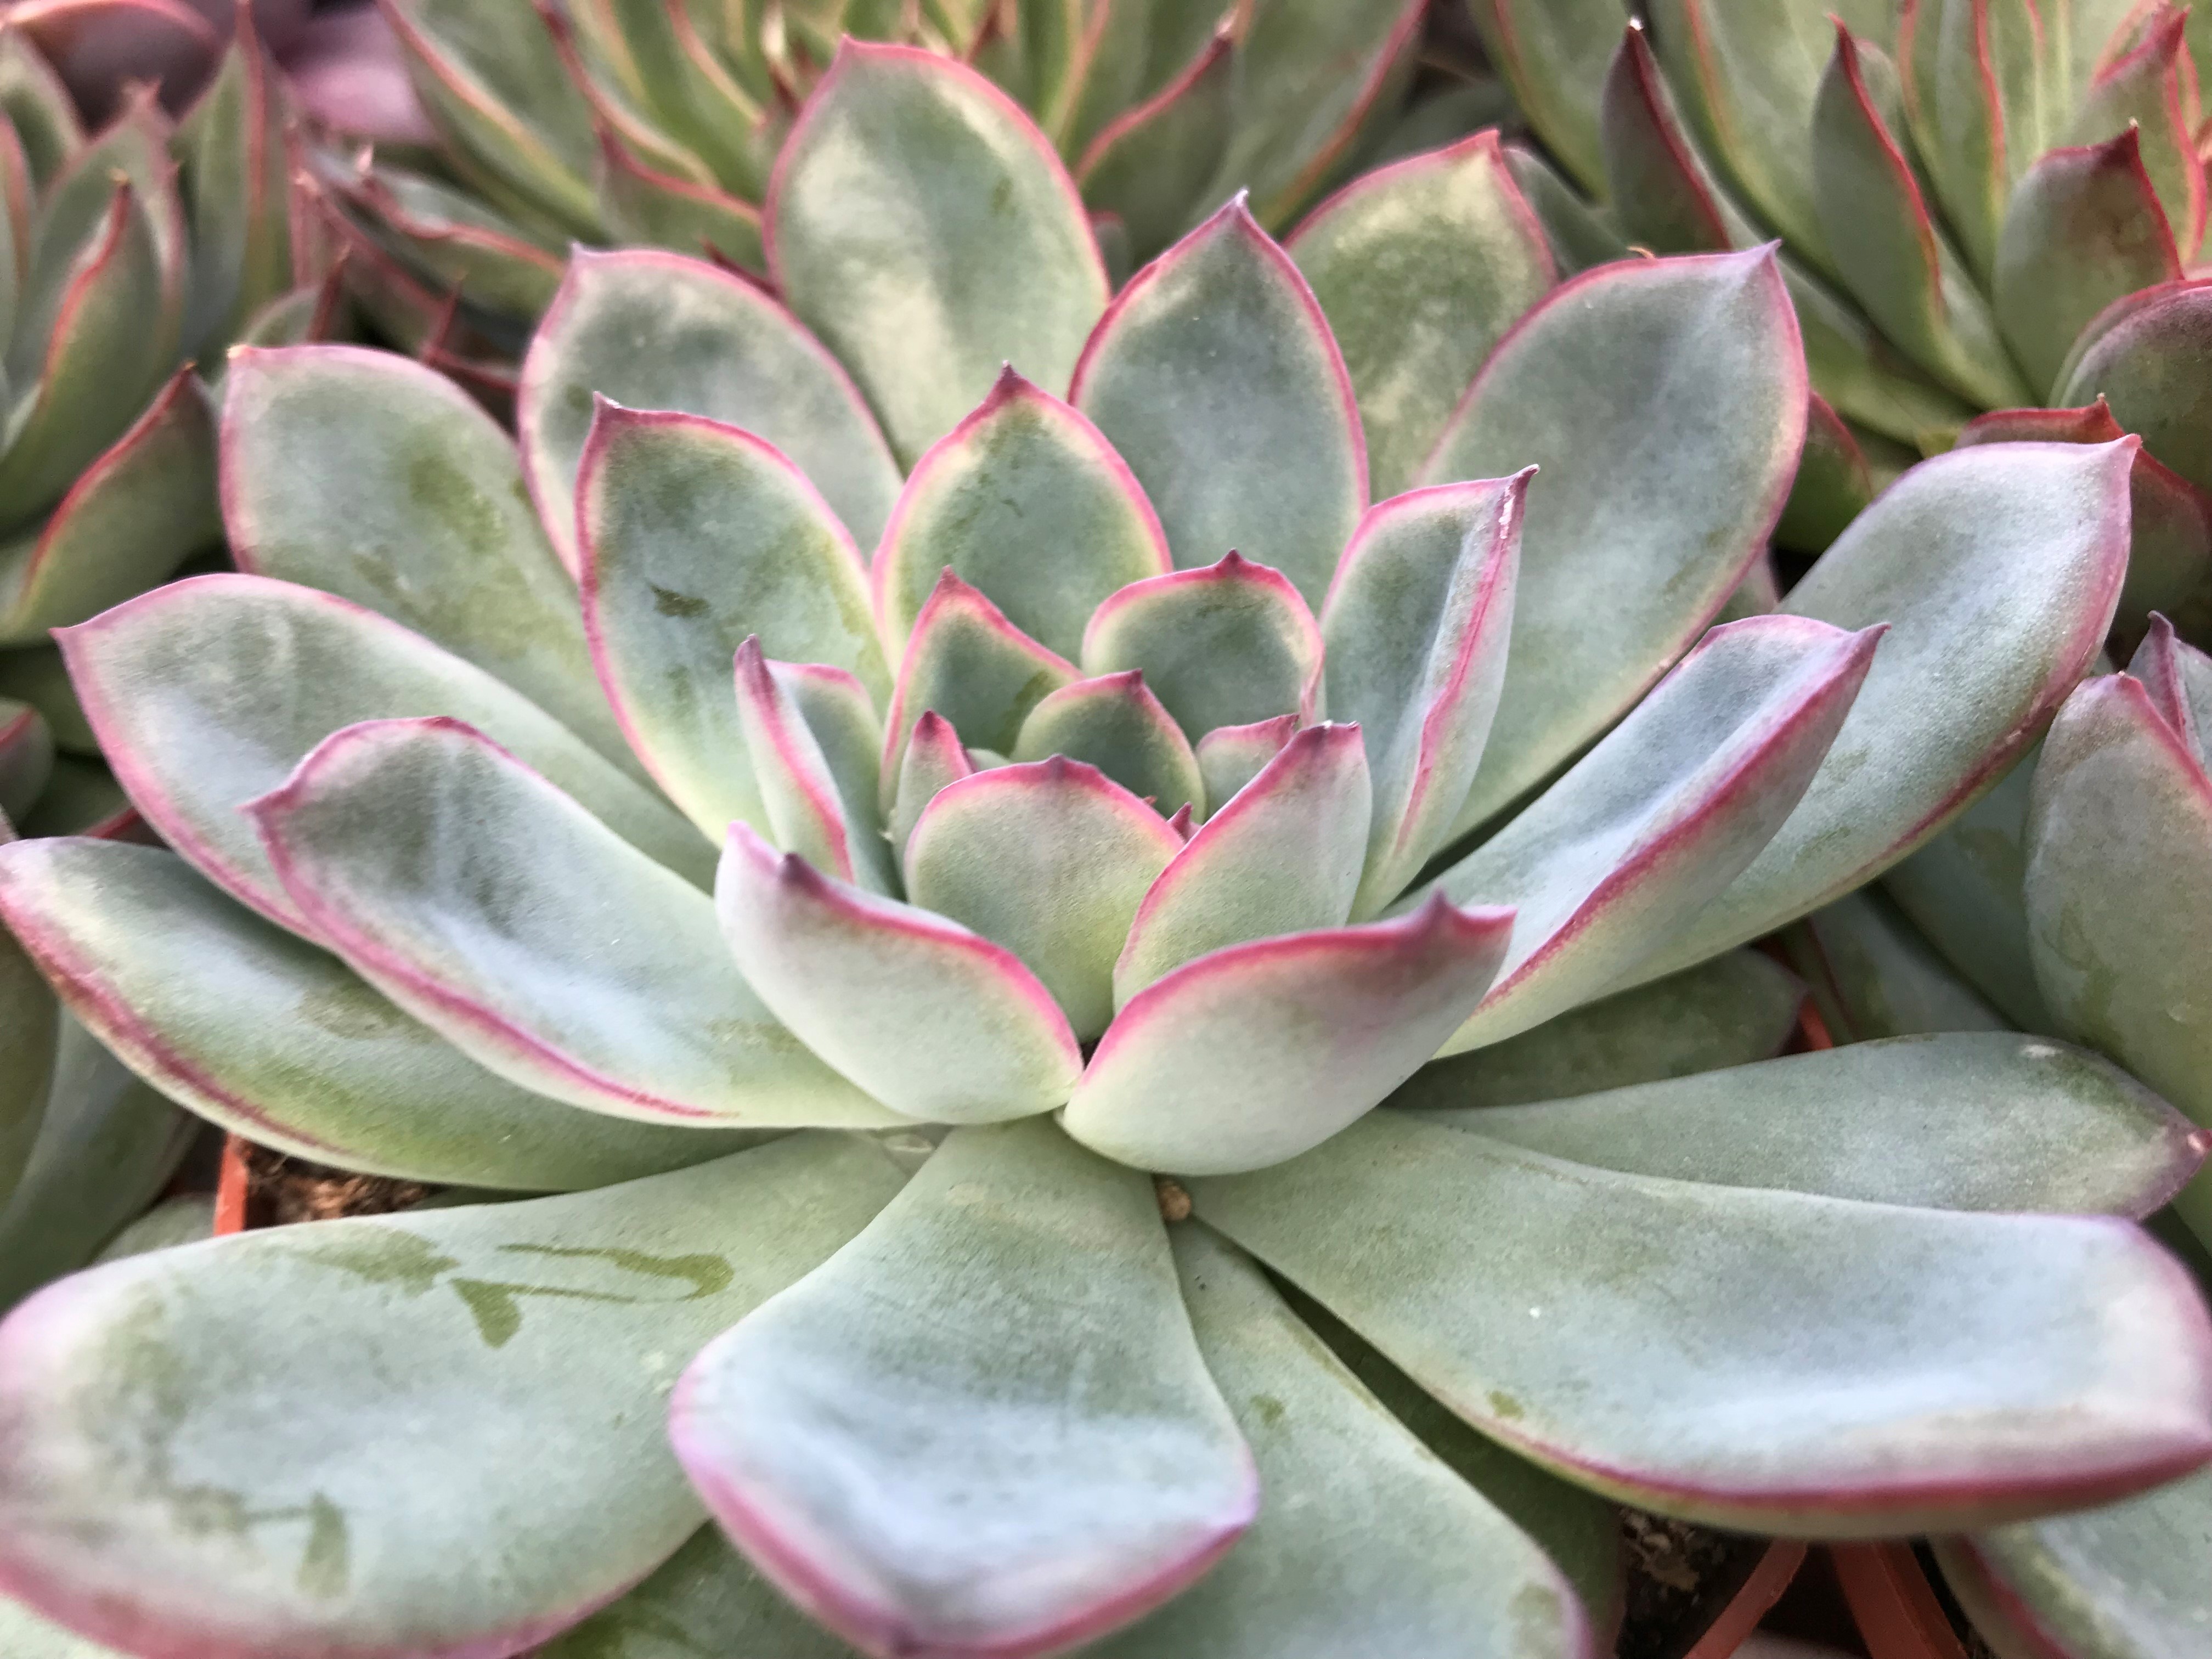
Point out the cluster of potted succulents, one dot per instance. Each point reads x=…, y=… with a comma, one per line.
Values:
x=1071, y=949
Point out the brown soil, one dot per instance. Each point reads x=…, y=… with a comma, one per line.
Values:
x=281, y=1190
x=1679, y=1577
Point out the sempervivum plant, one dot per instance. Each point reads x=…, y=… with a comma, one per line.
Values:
x=1098, y=829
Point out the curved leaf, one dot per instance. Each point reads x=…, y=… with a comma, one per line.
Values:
x=983, y=1428
x=934, y=759
x=1873, y=974
x=802, y=807
x=1834, y=484
x=642, y=205
x=2152, y=88
x=1151, y=165
x=28, y=1021
x=1663, y=196
x=705, y=1595
x=1231, y=757
x=27, y=759
x=926, y=230
x=1554, y=56
x=1969, y=88
x=1115, y=723
x=2146, y=356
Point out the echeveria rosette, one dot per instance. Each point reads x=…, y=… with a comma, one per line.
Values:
x=1076, y=835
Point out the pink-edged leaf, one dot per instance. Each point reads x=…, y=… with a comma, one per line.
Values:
x=1231, y=757
x=1652, y=824
x=1151, y=165
x=1970, y=87
x=925, y=229
x=1553, y=53
x=178, y=688
x=2152, y=88
x=934, y=758
x=2148, y=354
x=1417, y=625
x=1772, y=1361
x=494, y=909
x=694, y=537
x=1261, y=1051
x=1215, y=376
x=977, y=669
x=1231, y=644
x=2178, y=679
x=26, y=758
x=933, y=1020
x=1661, y=191
x=1283, y=855
x=1024, y=501
x=982, y=1430
x=841, y=718
x=1115, y=723
x=645, y=206
x=1049, y=860
x=1833, y=484
x=657, y=331
x=805, y=813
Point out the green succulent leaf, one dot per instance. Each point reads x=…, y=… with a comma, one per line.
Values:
x=1025, y=501
x=658, y=209
x=1229, y=644
x=982, y=1427
x=1995, y=1121
x=936, y=1022
x=1231, y=757
x=1800, y=1365
x=705, y=1596
x=934, y=758
x=2146, y=356
x=268, y=1037
x=1874, y=974
x=1833, y=485
x=1151, y=166
x=27, y=760
x=1049, y=860
x=926, y=230
x=696, y=537
x=653, y=330
x=1554, y=57
x=1115, y=723
x=1664, y=403
x=1662, y=194
x=28, y=1020
x=1971, y=95
x=458, y=241
x=507, y=918
x=175, y=685
x=1997, y=569
x=804, y=809
x=458, y=1344
x=38, y=106
x=2151, y=90
x=237, y=179
x=1420, y=268
x=1581, y=236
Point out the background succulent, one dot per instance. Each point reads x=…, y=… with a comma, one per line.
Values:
x=1057, y=805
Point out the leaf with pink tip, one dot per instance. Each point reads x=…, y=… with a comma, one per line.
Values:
x=1664, y=401
x=1767, y=1361
x=2178, y=679
x=370, y=1444
x=502, y=915
x=803, y=810
x=925, y=229
x=647, y=208
x=1151, y=164
x=178, y=686
x=456, y=241
x=1260, y=1051
x=1997, y=569
x=656, y=331
x=841, y=718
x=1282, y=856
x=696, y=535
x=1026, y=503
x=379, y=480
x=934, y=758
x=1465, y=257
x=1049, y=860
x=977, y=669
x=1553, y=54
x=1899, y=265
x=39, y=107
x=1417, y=624
x=268, y=1037
x=1215, y=376
x=2084, y=229
x=27, y=758
x=1115, y=723
x=2148, y=355
x=982, y=1430
x=2152, y=88
x=934, y=1021
x=1656, y=820
x=1972, y=90
x=1231, y=644
x=1231, y=757
x=1663, y=195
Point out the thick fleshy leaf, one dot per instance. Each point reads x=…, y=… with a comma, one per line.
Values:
x=39, y=106
x=1420, y=268
x=934, y=758
x=1115, y=723
x=1231, y=757
x=2119, y=879
x=1663, y=196
x=983, y=1427
x=1025, y=501
x=1873, y=974
x=1997, y=569
x=1969, y=87
x=1256, y=1052
x=436, y=1351
x=934, y=1021
x=706, y=1595
x=272, y=1039
x=1049, y=860
x=802, y=808
x=1732, y=1011
x=503, y=915
x=1416, y=627
x=1834, y=484
x=1653, y=823
x=656, y=331
x=926, y=230
x=2153, y=89
x=2084, y=229
x=1215, y=376
x=1775, y=1362
x=1885, y=240
x=1581, y=236
x=2147, y=355
x=977, y=669
x=696, y=537
x=1665, y=404
x=1554, y=56
x=840, y=717
x=1231, y=644
x=1282, y=856
x=1995, y=1121
x=29, y=1020
x=206, y=693
x=2125, y=1582
x=645, y=207
x=35, y=675
x=1151, y=165
x=459, y=242
x=27, y=758
x=1366, y=1539
x=376, y=479
x=2178, y=677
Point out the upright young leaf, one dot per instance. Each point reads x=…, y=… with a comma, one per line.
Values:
x=1231, y=757
x=2152, y=89
x=1150, y=166
x=1115, y=723
x=1663, y=196
x=1971, y=95
x=1554, y=56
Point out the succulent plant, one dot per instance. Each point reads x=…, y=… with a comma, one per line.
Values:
x=1109, y=825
